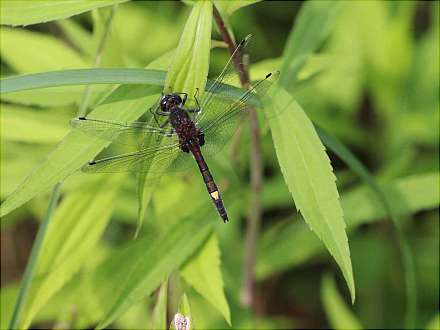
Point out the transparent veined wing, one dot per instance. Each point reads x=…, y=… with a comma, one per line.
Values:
x=221, y=85
x=225, y=116
x=157, y=160
x=135, y=133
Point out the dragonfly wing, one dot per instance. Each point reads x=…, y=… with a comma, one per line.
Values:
x=225, y=116
x=227, y=77
x=139, y=161
x=121, y=133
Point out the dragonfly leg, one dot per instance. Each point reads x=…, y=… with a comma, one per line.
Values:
x=185, y=97
x=165, y=123
x=162, y=113
x=196, y=110
x=154, y=116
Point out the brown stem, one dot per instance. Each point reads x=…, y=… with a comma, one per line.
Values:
x=254, y=215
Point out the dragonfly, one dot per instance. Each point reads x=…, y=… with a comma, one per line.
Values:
x=177, y=134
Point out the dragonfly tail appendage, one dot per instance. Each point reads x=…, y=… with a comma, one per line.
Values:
x=213, y=191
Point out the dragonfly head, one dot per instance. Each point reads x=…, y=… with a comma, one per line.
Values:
x=169, y=101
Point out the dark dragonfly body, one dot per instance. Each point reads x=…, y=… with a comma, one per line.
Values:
x=176, y=132
x=191, y=139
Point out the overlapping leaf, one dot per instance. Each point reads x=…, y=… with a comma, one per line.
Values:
x=21, y=12
x=188, y=72
x=309, y=176
x=77, y=225
x=140, y=269
x=203, y=272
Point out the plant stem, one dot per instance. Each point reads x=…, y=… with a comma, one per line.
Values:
x=42, y=230
x=254, y=215
x=30, y=266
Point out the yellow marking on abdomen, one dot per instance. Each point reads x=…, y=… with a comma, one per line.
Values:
x=215, y=195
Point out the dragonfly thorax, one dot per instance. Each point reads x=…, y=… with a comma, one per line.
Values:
x=189, y=135
x=170, y=101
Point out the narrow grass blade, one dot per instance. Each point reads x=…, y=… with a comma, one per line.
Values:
x=33, y=259
x=82, y=77
x=160, y=310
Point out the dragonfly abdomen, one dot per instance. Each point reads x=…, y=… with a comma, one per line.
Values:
x=210, y=184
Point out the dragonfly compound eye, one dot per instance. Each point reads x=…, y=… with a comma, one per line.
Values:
x=164, y=102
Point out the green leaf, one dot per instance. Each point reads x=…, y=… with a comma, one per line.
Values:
x=47, y=97
x=82, y=77
x=102, y=76
x=77, y=225
x=203, y=272
x=226, y=7
x=190, y=65
x=184, y=307
x=405, y=251
x=309, y=176
x=30, y=126
x=140, y=269
x=188, y=72
x=126, y=104
x=78, y=35
x=22, y=51
x=160, y=310
x=314, y=22
x=288, y=243
x=19, y=12
x=338, y=313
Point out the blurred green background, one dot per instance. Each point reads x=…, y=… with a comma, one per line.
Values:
x=373, y=84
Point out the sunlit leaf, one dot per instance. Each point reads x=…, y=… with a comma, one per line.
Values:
x=78, y=35
x=190, y=65
x=125, y=104
x=140, y=269
x=39, y=11
x=46, y=97
x=160, y=310
x=25, y=125
x=227, y=8
x=203, y=272
x=188, y=72
x=76, y=226
x=309, y=176
x=22, y=51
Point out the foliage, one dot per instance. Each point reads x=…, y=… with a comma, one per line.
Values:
x=357, y=78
